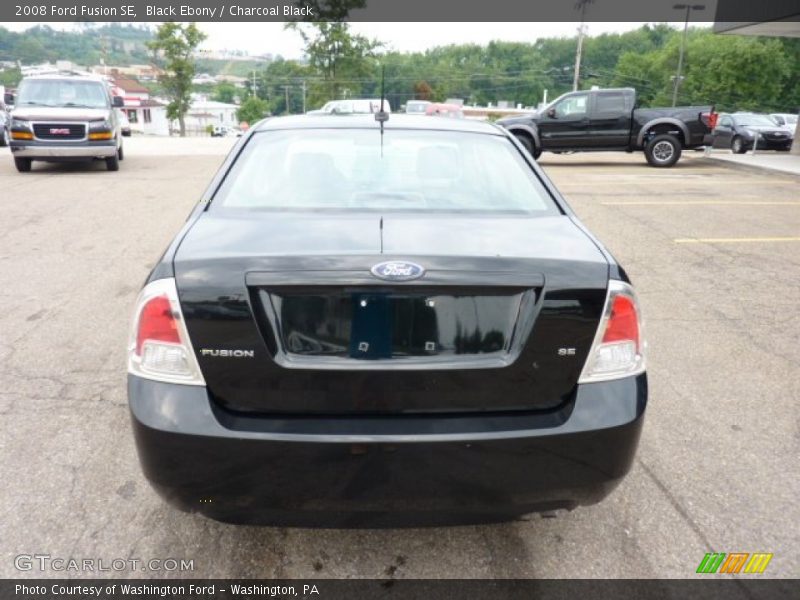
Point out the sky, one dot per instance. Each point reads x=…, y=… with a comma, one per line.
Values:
x=263, y=38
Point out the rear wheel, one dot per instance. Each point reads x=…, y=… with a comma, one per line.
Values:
x=23, y=164
x=120, y=153
x=4, y=139
x=663, y=150
x=112, y=163
x=737, y=145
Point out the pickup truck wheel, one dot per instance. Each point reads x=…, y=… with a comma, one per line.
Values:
x=737, y=145
x=527, y=141
x=112, y=164
x=663, y=150
x=23, y=164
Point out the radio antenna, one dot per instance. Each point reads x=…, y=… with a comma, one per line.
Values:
x=382, y=116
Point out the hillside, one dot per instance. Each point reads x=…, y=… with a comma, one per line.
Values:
x=116, y=43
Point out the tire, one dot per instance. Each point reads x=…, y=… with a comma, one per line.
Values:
x=120, y=153
x=737, y=145
x=663, y=150
x=112, y=163
x=527, y=142
x=23, y=164
x=4, y=138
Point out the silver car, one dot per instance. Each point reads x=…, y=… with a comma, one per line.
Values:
x=60, y=118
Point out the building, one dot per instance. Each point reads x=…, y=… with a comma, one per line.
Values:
x=140, y=72
x=146, y=115
x=239, y=82
x=204, y=112
x=204, y=79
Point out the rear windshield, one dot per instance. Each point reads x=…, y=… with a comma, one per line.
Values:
x=62, y=93
x=346, y=169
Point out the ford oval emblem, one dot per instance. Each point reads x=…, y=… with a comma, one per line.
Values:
x=397, y=270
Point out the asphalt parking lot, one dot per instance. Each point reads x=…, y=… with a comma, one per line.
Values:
x=715, y=255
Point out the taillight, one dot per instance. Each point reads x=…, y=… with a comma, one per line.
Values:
x=710, y=119
x=618, y=348
x=159, y=346
x=157, y=323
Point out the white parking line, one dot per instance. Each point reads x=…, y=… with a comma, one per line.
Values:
x=702, y=202
x=735, y=240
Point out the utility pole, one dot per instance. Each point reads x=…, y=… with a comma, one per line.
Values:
x=104, y=42
x=689, y=8
x=286, y=89
x=580, y=5
x=255, y=89
x=304, y=96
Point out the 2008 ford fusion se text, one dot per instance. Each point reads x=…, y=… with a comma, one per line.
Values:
x=375, y=320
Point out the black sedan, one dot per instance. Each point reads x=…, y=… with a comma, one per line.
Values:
x=400, y=323
x=740, y=131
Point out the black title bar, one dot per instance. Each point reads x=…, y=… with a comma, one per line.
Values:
x=713, y=588
x=142, y=11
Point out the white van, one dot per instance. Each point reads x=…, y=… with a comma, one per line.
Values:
x=354, y=106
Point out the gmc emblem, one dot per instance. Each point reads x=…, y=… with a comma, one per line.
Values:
x=59, y=131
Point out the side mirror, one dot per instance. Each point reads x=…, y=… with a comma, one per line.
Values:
x=8, y=99
x=117, y=102
x=552, y=113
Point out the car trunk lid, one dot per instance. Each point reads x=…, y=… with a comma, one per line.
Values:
x=287, y=317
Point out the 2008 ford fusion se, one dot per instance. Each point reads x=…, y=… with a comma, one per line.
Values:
x=369, y=322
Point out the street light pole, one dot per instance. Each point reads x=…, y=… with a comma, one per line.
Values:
x=689, y=8
x=581, y=5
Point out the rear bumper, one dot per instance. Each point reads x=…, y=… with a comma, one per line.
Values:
x=403, y=470
x=64, y=151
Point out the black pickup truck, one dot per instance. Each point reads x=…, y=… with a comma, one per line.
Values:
x=608, y=120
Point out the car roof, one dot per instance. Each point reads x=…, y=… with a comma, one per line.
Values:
x=67, y=76
x=367, y=121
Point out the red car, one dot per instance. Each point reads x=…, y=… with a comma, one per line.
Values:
x=441, y=109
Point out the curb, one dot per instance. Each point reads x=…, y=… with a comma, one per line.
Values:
x=760, y=169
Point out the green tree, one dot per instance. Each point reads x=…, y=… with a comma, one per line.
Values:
x=225, y=92
x=342, y=59
x=10, y=77
x=730, y=72
x=281, y=74
x=253, y=110
x=736, y=73
x=175, y=44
